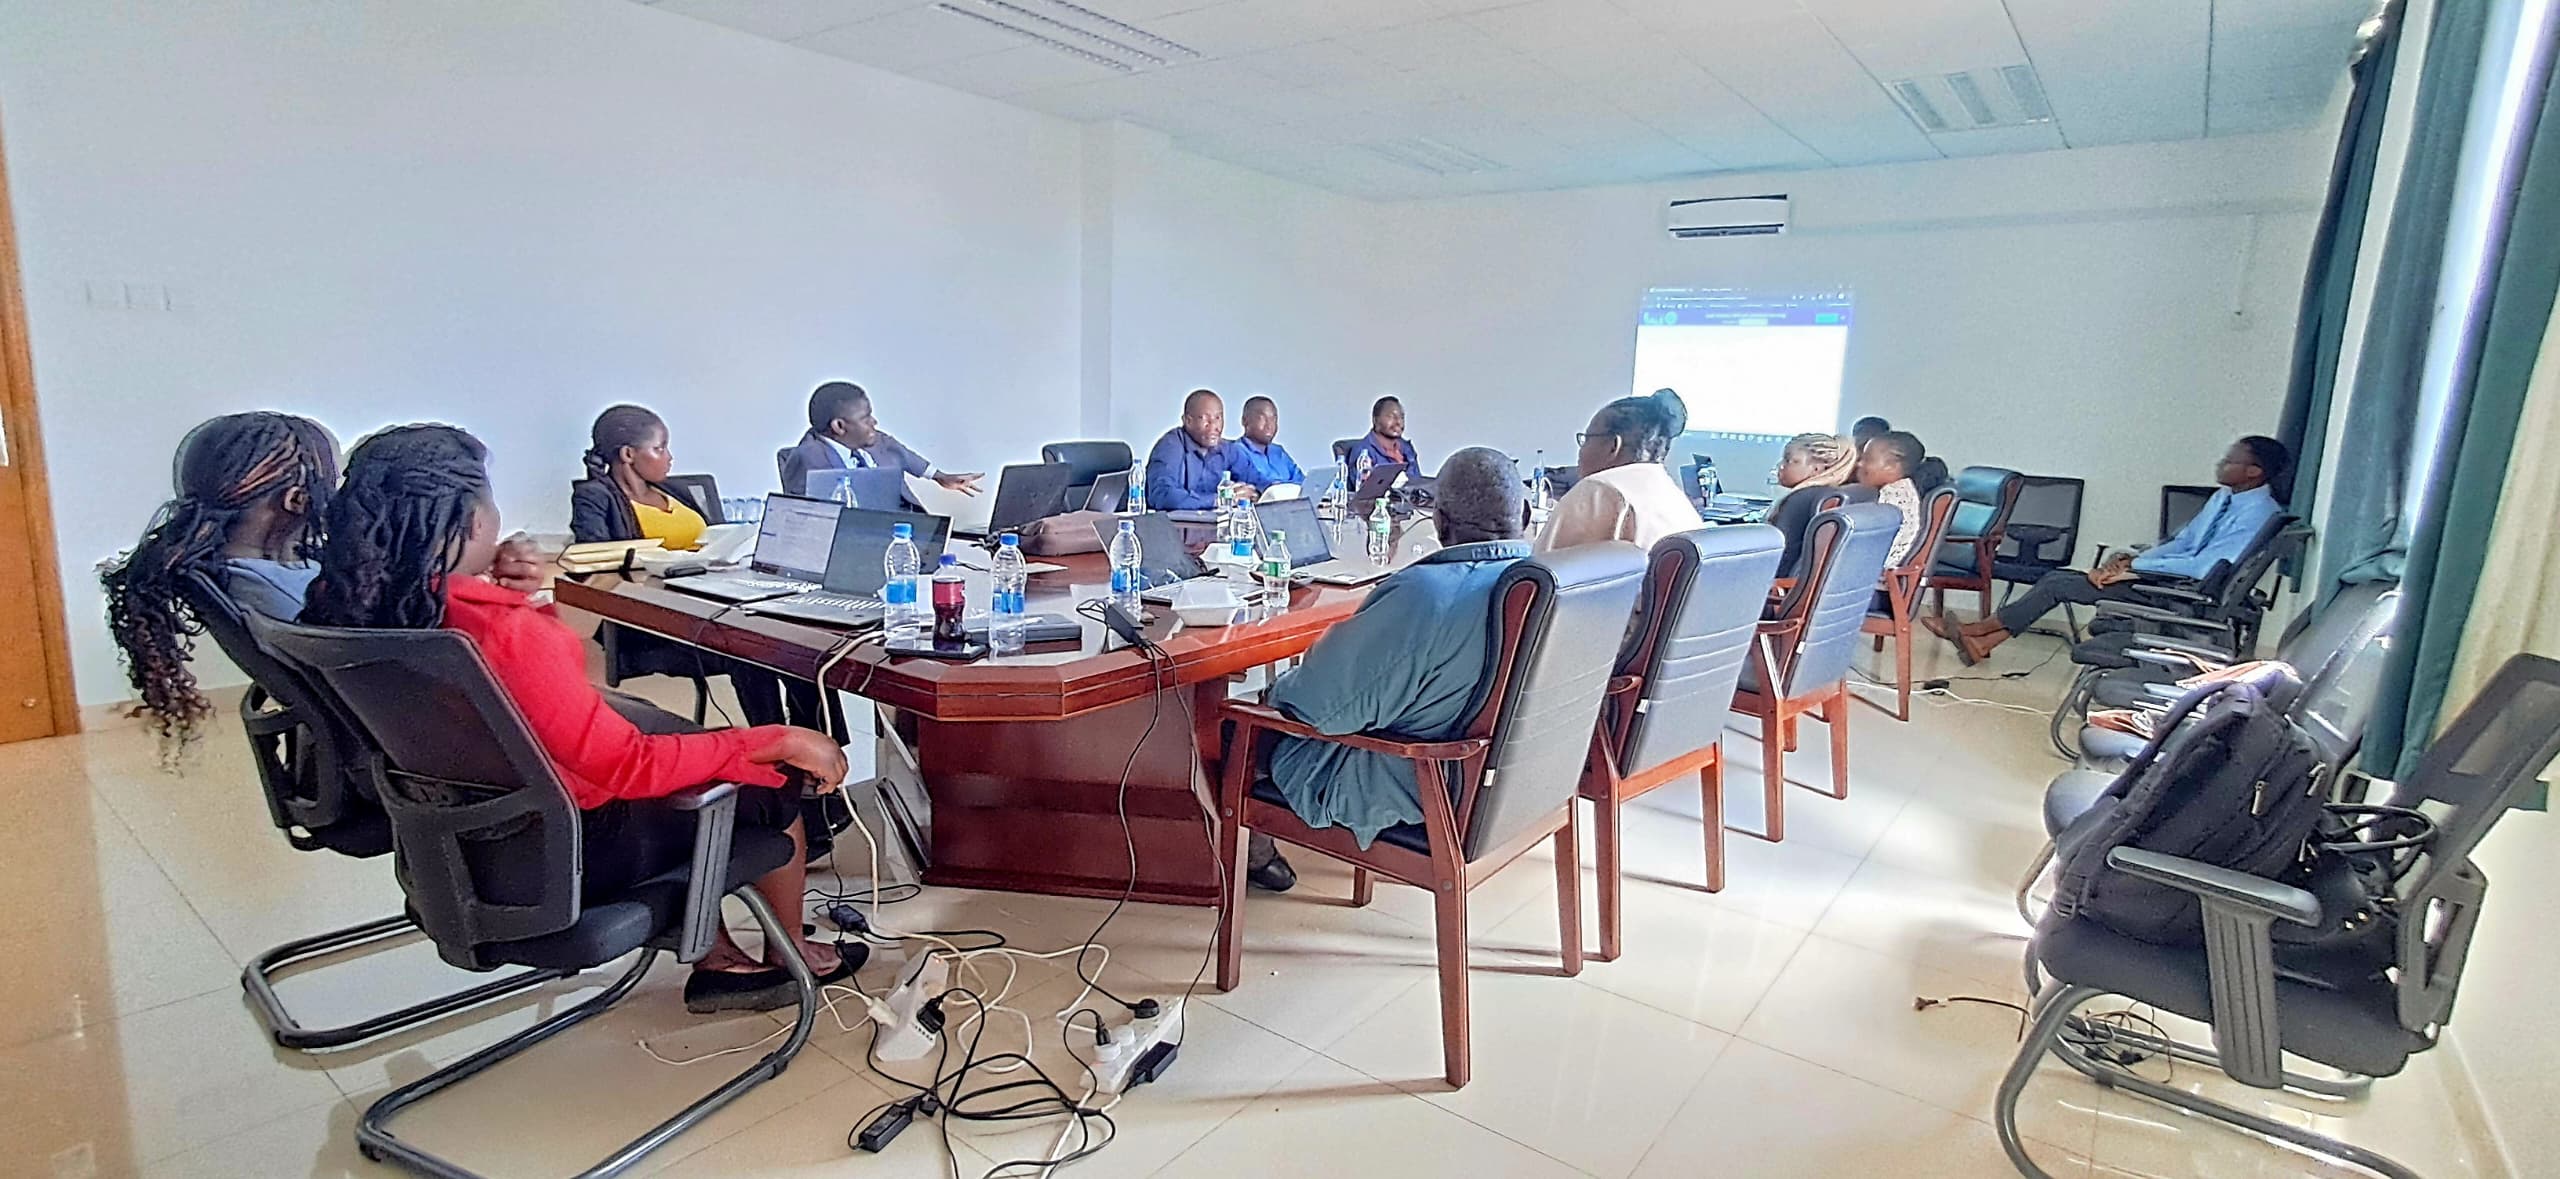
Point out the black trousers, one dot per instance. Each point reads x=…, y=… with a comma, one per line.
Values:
x=2058, y=588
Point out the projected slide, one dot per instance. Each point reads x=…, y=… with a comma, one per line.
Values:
x=1753, y=365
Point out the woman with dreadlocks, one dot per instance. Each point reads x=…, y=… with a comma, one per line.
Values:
x=250, y=490
x=413, y=535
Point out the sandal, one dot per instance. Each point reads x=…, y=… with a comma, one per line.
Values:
x=709, y=992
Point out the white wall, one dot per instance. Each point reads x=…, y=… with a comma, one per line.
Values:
x=508, y=215
x=2064, y=313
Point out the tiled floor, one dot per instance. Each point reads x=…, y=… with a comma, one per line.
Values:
x=1767, y=1030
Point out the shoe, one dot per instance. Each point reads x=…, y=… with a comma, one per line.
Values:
x=1273, y=876
x=1974, y=648
x=709, y=992
x=1942, y=626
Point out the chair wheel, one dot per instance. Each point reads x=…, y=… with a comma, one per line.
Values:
x=371, y=1155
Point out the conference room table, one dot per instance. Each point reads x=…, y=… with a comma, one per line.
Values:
x=1006, y=773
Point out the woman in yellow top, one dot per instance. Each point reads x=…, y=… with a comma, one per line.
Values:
x=625, y=497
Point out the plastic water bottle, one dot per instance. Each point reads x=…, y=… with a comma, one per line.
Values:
x=1337, y=499
x=1137, y=504
x=1542, y=491
x=1275, y=574
x=1006, y=618
x=1248, y=520
x=1227, y=506
x=1709, y=482
x=1236, y=563
x=904, y=618
x=1128, y=576
x=1381, y=534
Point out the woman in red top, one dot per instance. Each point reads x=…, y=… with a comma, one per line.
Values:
x=414, y=543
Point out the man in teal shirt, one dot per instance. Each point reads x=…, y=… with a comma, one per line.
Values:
x=1407, y=664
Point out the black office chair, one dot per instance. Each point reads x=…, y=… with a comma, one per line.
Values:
x=1676, y=672
x=2363, y=1008
x=1086, y=462
x=316, y=772
x=2044, y=530
x=487, y=846
x=2179, y=503
x=1342, y=448
x=1985, y=499
x=2339, y=653
x=701, y=491
x=1503, y=788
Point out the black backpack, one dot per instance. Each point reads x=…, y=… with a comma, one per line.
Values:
x=2230, y=781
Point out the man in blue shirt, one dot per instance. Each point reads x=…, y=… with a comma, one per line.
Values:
x=1407, y=663
x=1384, y=443
x=2249, y=474
x=1184, y=467
x=1260, y=460
x=843, y=434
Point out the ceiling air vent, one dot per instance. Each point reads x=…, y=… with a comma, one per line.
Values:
x=1972, y=100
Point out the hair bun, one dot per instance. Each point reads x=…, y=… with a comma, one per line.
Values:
x=1674, y=411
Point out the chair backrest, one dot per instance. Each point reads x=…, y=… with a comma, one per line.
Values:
x=1342, y=448
x=1937, y=515
x=2480, y=767
x=1086, y=461
x=486, y=837
x=1703, y=592
x=2044, y=529
x=2233, y=585
x=2179, y=503
x=1844, y=558
x=2340, y=654
x=313, y=766
x=703, y=492
x=1987, y=496
x=782, y=470
x=1555, y=624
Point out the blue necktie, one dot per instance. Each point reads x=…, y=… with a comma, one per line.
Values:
x=861, y=460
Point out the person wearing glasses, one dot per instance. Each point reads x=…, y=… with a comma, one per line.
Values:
x=1624, y=492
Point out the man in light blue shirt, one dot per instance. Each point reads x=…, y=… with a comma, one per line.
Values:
x=2249, y=474
x=1407, y=664
x=1260, y=461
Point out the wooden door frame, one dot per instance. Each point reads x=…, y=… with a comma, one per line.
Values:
x=26, y=453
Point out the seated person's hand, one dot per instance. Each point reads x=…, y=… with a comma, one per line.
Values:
x=811, y=752
x=966, y=483
x=519, y=564
x=2112, y=573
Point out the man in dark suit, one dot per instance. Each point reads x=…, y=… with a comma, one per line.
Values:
x=843, y=433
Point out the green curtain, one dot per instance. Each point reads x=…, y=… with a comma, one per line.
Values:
x=2452, y=544
x=2367, y=532
x=2320, y=329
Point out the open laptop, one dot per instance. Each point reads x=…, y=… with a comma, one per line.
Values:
x=850, y=596
x=1161, y=555
x=1311, y=546
x=1380, y=480
x=881, y=489
x=792, y=545
x=1110, y=493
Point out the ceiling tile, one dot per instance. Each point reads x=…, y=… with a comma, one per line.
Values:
x=1247, y=26
x=1901, y=38
x=785, y=20
x=1993, y=141
x=912, y=39
x=1789, y=66
x=2119, y=73
x=1008, y=72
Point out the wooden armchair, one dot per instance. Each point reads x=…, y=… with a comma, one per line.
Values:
x=1801, y=663
x=1897, y=603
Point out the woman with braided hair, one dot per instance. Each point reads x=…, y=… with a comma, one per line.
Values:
x=1813, y=468
x=413, y=540
x=250, y=491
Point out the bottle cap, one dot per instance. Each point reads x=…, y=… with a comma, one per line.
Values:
x=1125, y=526
x=903, y=531
x=949, y=561
x=1009, y=540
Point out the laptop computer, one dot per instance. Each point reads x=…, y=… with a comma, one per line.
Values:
x=881, y=489
x=1110, y=493
x=850, y=596
x=1161, y=555
x=792, y=546
x=1380, y=480
x=1024, y=492
x=1311, y=546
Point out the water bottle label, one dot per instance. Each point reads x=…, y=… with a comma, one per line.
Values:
x=901, y=591
x=1123, y=580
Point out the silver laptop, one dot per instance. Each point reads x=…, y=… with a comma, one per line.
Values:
x=792, y=544
x=1311, y=546
x=850, y=597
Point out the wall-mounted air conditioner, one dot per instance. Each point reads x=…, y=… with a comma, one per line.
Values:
x=1748, y=216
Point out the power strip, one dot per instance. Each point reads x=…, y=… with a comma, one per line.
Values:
x=1138, y=1051
x=904, y=1034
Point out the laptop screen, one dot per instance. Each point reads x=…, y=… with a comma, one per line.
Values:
x=795, y=536
x=1161, y=555
x=1307, y=541
x=862, y=539
x=879, y=488
x=1027, y=492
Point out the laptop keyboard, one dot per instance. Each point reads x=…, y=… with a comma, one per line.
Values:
x=827, y=601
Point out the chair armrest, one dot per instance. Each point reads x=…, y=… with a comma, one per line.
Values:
x=1623, y=686
x=1249, y=717
x=715, y=807
x=2169, y=659
x=2157, y=614
x=2167, y=643
x=2174, y=592
x=2220, y=888
x=2240, y=912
